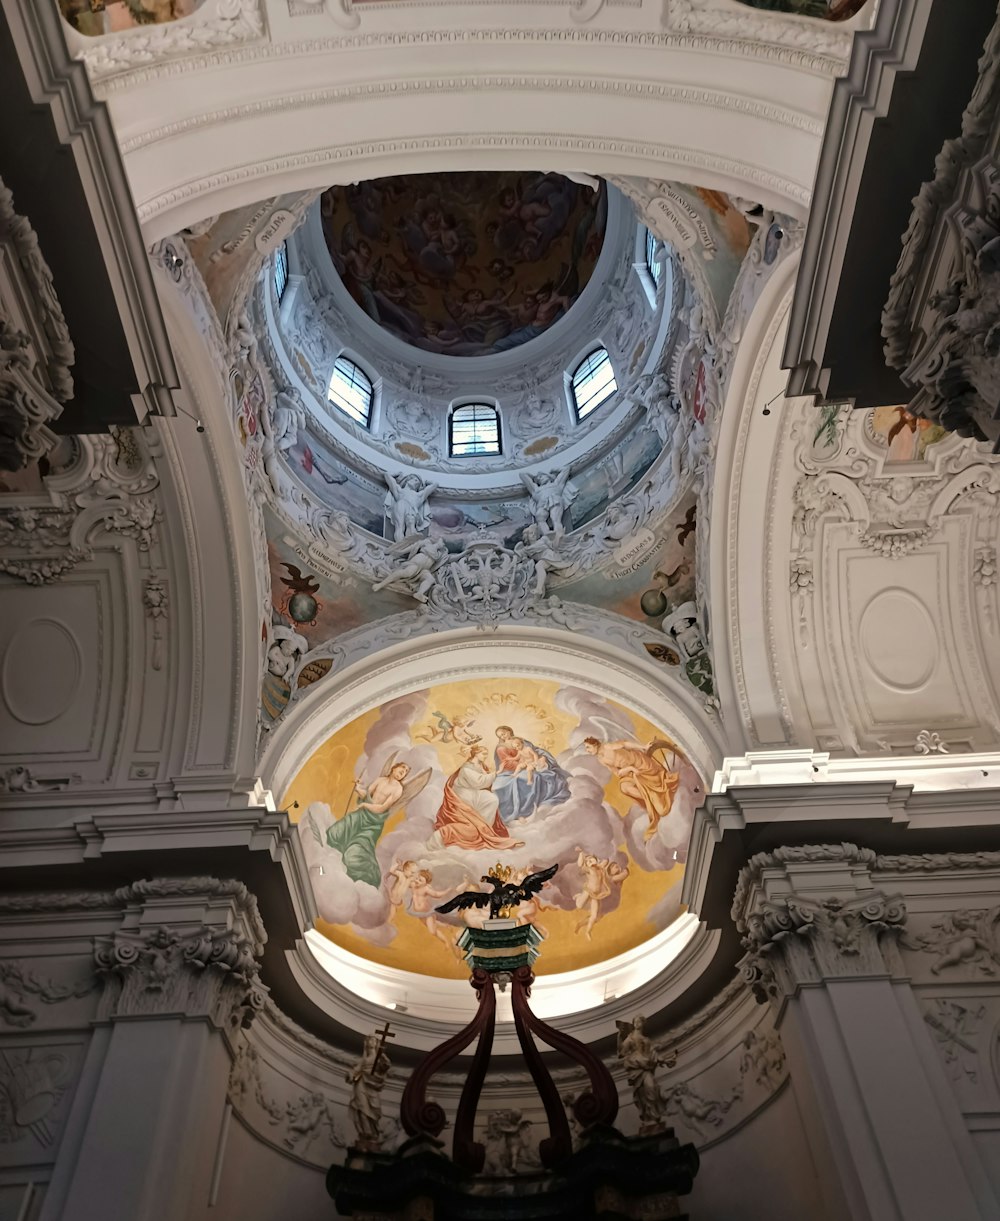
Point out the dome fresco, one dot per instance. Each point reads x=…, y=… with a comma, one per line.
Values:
x=413, y=801
x=465, y=264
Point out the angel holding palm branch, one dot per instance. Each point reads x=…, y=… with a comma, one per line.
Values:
x=355, y=835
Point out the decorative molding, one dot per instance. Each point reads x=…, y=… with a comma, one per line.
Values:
x=941, y=321
x=710, y=17
x=358, y=153
x=932, y=862
x=297, y=1121
x=928, y=743
x=955, y=1027
x=18, y=983
x=167, y=970
x=110, y=487
x=794, y=939
x=801, y=58
x=963, y=938
x=610, y=87
x=157, y=604
x=193, y=968
x=34, y=1080
x=799, y=940
x=20, y=779
x=805, y=854
x=220, y=23
x=35, y=363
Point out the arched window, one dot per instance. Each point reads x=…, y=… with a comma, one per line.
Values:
x=654, y=258
x=474, y=429
x=593, y=382
x=280, y=270
x=351, y=391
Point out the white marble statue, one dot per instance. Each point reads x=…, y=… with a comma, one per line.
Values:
x=367, y=1081
x=681, y=625
x=406, y=505
x=507, y=1148
x=287, y=418
x=551, y=497
x=416, y=561
x=285, y=653
x=641, y=1058
x=334, y=527
x=537, y=547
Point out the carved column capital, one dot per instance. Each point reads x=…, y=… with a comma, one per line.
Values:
x=188, y=947
x=811, y=914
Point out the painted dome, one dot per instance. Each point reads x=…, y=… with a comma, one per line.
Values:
x=470, y=264
x=412, y=802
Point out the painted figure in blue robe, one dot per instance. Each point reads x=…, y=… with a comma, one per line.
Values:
x=528, y=776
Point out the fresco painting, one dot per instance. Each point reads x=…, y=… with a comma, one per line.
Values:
x=337, y=485
x=96, y=17
x=655, y=574
x=412, y=802
x=907, y=437
x=729, y=235
x=309, y=607
x=825, y=10
x=465, y=264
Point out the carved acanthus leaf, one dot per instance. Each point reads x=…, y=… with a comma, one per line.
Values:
x=220, y=23
x=798, y=940
x=36, y=351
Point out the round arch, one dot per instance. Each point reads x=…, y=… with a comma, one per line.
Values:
x=344, y=984
x=735, y=114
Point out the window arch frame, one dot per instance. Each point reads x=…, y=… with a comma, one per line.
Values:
x=280, y=270
x=347, y=358
x=598, y=347
x=654, y=258
x=490, y=405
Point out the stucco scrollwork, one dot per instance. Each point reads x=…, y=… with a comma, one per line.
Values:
x=945, y=338
x=36, y=351
x=20, y=986
x=109, y=487
x=800, y=940
x=217, y=25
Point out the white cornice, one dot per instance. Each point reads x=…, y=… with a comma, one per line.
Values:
x=373, y=158
x=608, y=86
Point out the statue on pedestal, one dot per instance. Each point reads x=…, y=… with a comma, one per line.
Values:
x=642, y=1057
x=367, y=1081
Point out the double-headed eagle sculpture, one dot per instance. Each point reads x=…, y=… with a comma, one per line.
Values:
x=505, y=894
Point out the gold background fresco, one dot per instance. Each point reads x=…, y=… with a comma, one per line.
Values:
x=541, y=712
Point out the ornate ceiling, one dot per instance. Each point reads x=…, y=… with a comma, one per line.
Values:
x=411, y=802
x=465, y=264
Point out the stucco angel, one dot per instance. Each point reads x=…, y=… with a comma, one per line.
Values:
x=417, y=559
x=551, y=497
x=641, y=1058
x=406, y=504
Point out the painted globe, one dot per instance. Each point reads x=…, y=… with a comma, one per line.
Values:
x=653, y=603
x=302, y=608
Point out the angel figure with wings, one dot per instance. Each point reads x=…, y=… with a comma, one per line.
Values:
x=641, y=775
x=355, y=835
x=641, y=1058
x=459, y=730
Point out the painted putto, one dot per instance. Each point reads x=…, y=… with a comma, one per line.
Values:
x=411, y=804
x=465, y=264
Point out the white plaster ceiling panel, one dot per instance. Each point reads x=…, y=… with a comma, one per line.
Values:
x=894, y=633
x=55, y=661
